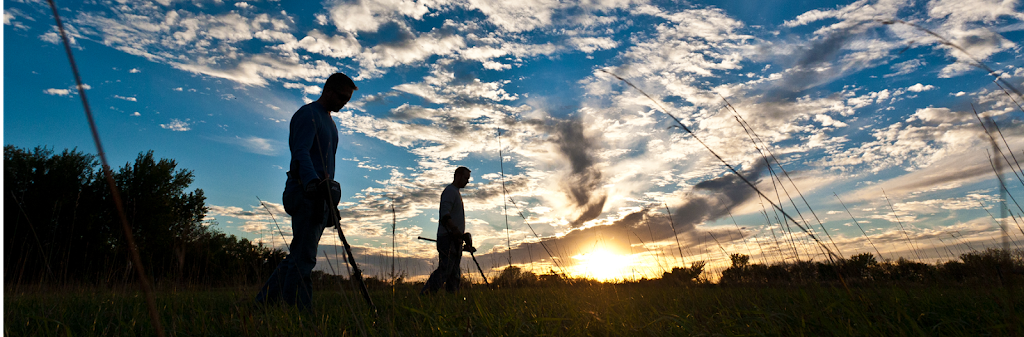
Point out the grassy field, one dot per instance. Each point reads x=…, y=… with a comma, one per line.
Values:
x=599, y=309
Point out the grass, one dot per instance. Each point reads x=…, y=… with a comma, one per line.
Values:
x=600, y=309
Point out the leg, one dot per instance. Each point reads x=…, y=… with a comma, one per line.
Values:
x=439, y=277
x=270, y=292
x=290, y=281
x=454, y=276
x=305, y=240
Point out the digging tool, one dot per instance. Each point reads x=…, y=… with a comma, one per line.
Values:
x=471, y=255
x=356, y=272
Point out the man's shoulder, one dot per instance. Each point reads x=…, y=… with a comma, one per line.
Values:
x=307, y=109
x=449, y=190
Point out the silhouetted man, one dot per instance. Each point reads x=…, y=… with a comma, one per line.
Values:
x=310, y=191
x=451, y=232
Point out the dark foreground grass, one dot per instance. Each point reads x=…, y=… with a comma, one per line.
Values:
x=579, y=310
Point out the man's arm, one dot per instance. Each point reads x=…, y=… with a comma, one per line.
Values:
x=301, y=133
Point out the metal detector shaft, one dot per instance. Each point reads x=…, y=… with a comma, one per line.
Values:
x=480, y=269
x=471, y=255
x=356, y=272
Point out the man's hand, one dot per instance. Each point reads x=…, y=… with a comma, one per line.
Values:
x=468, y=239
x=315, y=189
x=446, y=222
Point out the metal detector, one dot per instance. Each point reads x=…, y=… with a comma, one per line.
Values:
x=356, y=272
x=471, y=255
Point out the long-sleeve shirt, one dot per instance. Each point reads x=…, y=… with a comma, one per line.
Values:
x=451, y=204
x=313, y=141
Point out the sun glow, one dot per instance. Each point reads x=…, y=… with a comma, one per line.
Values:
x=602, y=265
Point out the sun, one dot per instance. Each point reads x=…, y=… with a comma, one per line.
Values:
x=602, y=265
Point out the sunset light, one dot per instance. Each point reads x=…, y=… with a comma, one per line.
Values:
x=603, y=265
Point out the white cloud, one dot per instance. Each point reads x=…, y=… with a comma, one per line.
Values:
x=130, y=98
x=919, y=87
x=176, y=125
x=591, y=44
x=70, y=91
x=58, y=92
x=338, y=46
x=370, y=15
x=306, y=89
x=975, y=10
x=941, y=115
x=179, y=89
x=826, y=120
x=906, y=67
x=136, y=114
x=242, y=5
x=135, y=71
x=260, y=68
x=257, y=145
x=517, y=16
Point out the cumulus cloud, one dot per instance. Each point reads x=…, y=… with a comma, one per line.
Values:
x=176, y=125
x=370, y=15
x=57, y=92
x=919, y=87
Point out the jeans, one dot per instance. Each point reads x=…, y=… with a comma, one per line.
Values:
x=448, y=273
x=291, y=280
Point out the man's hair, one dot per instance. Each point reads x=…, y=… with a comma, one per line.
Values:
x=461, y=169
x=339, y=81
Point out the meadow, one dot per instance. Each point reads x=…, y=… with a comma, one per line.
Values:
x=589, y=308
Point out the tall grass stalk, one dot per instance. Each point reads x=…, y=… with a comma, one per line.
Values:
x=504, y=191
x=344, y=295
x=751, y=134
x=858, y=225
x=1001, y=225
x=727, y=165
x=539, y=238
x=675, y=235
x=977, y=63
x=115, y=193
x=995, y=146
x=272, y=217
x=902, y=228
x=39, y=243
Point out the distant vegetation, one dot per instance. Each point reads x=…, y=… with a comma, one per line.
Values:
x=992, y=266
x=60, y=226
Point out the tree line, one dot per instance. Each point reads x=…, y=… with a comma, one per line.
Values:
x=61, y=226
x=991, y=266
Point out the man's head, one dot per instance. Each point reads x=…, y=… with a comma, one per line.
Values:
x=337, y=92
x=461, y=177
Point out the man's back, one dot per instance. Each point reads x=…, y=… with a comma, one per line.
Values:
x=451, y=205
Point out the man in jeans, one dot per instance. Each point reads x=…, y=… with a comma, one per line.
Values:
x=451, y=232
x=310, y=192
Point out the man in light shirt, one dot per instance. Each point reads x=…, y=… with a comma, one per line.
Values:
x=451, y=232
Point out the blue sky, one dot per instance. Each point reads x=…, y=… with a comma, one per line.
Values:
x=848, y=104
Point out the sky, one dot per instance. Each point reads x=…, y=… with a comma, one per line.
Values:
x=574, y=117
